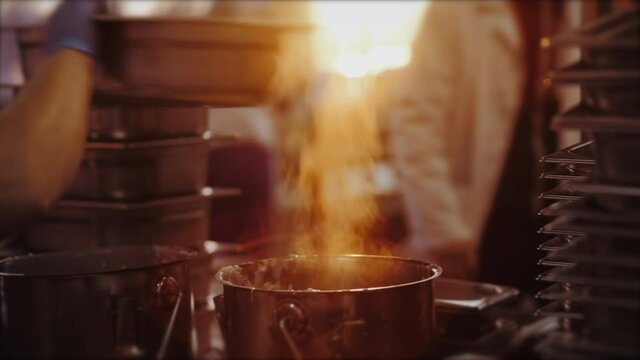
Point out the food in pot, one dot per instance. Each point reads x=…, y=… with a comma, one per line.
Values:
x=320, y=273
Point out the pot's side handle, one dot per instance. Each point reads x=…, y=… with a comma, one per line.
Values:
x=169, y=297
x=291, y=321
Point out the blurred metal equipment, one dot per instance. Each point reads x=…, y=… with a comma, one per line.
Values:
x=78, y=224
x=467, y=314
x=213, y=61
x=141, y=170
x=595, y=251
x=125, y=119
x=351, y=306
x=144, y=174
x=123, y=302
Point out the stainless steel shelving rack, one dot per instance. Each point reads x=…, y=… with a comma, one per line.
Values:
x=591, y=244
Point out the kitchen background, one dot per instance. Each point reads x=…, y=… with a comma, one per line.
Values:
x=244, y=179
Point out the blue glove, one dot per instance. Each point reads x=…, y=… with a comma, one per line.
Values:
x=71, y=26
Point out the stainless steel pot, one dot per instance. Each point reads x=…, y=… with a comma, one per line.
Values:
x=349, y=306
x=125, y=302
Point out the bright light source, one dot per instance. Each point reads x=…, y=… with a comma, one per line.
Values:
x=134, y=8
x=150, y=8
x=386, y=57
x=357, y=38
x=377, y=59
x=351, y=64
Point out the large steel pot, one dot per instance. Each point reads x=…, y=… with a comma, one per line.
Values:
x=348, y=306
x=125, y=302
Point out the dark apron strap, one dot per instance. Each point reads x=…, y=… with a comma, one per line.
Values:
x=508, y=246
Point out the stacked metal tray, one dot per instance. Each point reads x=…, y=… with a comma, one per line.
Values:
x=143, y=176
x=592, y=245
x=142, y=181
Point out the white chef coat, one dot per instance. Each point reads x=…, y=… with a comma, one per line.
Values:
x=455, y=111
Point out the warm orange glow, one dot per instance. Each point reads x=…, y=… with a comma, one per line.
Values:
x=334, y=183
x=376, y=60
x=358, y=38
x=338, y=203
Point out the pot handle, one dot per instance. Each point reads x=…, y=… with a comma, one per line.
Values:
x=291, y=321
x=169, y=294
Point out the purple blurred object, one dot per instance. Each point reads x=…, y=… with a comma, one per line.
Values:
x=71, y=26
x=247, y=166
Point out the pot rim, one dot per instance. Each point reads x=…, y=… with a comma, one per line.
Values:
x=437, y=271
x=182, y=254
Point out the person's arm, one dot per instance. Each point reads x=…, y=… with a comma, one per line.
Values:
x=42, y=132
x=42, y=135
x=420, y=125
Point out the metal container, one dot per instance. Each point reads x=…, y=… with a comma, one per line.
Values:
x=216, y=61
x=351, y=306
x=113, y=118
x=476, y=297
x=141, y=170
x=463, y=308
x=211, y=60
x=70, y=225
x=121, y=302
x=121, y=119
